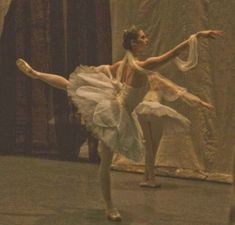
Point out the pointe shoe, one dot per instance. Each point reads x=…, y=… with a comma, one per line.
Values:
x=113, y=215
x=25, y=68
x=150, y=184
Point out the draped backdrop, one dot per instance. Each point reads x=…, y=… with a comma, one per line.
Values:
x=54, y=36
x=167, y=23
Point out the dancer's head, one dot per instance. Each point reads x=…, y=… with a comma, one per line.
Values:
x=134, y=39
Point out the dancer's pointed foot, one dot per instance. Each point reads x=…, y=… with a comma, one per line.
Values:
x=150, y=184
x=26, y=68
x=113, y=214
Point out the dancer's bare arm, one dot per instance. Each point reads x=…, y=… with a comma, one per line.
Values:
x=193, y=100
x=154, y=61
x=188, y=98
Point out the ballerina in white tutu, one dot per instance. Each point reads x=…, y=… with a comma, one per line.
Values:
x=156, y=119
x=106, y=97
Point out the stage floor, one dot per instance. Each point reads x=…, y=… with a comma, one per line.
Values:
x=50, y=192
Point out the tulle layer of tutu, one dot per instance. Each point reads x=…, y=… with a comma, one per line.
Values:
x=96, y=97
x=151, y=110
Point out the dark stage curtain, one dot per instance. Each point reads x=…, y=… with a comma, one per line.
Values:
x=54, y=36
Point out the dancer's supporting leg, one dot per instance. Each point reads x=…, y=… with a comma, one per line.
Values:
x=150, y=154
x=51, y=79
x=106, y=160
x=106, y=155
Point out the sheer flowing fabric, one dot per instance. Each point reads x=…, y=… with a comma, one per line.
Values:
x=192, y=59
x=106, y=109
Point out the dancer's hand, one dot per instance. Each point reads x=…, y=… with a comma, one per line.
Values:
x=210, y=33
x=207, y=105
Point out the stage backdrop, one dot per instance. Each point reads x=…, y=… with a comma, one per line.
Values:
x=167, y=23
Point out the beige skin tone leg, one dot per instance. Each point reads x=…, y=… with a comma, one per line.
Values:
x=51, y=79
x=106, y=155
x=106, y=159
x=149, y=176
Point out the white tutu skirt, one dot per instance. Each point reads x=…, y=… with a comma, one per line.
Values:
x=96, y=97
x=150, y=110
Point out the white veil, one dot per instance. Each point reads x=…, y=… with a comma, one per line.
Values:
x=192, y=59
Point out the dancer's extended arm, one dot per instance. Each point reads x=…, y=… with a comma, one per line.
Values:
x=193, y=100
x=154, y=61
x=180, y=93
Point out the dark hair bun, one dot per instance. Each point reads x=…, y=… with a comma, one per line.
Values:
x=128, y=36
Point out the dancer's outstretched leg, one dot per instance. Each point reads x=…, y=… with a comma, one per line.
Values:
x=106, y=159
x=51, y=79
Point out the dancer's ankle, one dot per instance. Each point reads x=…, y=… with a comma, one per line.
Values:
x=109, y=205
x=35, y=73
